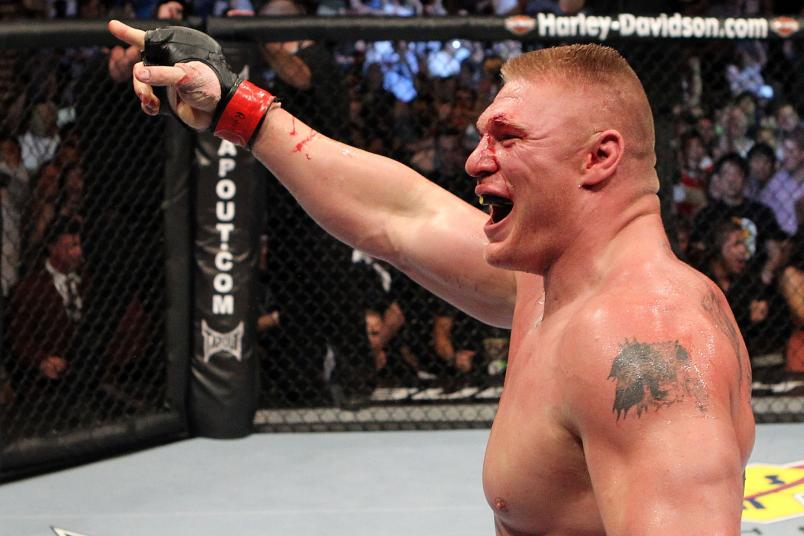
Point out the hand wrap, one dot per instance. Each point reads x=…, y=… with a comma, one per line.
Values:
x=242, y=107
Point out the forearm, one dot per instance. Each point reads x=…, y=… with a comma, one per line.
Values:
x=367, y=201
x=354, y=195
x=442, y=338
x=393, y=319
x=290, y=69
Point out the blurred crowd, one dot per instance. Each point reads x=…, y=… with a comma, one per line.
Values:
x=732, y=165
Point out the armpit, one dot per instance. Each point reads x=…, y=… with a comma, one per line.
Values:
x=653, y=376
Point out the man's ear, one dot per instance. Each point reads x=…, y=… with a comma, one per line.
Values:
x=602, y=158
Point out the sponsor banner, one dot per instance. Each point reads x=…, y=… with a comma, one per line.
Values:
x=224, y=371
x=773, y=492
x=673, y=26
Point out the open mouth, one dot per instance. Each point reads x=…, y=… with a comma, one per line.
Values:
x=499, y=207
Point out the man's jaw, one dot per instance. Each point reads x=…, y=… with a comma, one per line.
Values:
x=497, y=201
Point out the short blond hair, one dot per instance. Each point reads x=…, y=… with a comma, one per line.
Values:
x=596, y=68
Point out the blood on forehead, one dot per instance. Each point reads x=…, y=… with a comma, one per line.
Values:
x=499, y=122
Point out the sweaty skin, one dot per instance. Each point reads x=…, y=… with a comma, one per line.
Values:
x=626, y=404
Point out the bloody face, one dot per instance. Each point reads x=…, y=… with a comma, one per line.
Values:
x=526, y=165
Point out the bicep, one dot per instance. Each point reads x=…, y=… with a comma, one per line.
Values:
x=389, y=211
x=666, y=475
x=442, y=248
x=659, y=440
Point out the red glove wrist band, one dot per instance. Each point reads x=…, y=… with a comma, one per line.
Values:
x=243, y=114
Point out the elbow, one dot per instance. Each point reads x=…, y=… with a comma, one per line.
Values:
x=378, y=243
x=304, y=83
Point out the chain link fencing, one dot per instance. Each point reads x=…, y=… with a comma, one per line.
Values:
x=83, y=258
x=349, y=343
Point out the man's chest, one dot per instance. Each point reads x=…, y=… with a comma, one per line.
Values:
x=535, y=475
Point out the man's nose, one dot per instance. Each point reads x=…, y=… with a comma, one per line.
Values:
x=481, y=162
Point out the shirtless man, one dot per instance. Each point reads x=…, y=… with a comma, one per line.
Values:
x=626, y=407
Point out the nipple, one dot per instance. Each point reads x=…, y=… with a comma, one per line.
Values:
x=499, y=504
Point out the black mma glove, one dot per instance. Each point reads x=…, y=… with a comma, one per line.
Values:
x=243, y=105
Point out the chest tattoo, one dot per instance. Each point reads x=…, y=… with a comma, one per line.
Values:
x=654, y=375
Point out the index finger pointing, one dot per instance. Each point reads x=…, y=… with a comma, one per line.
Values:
x=126, y=33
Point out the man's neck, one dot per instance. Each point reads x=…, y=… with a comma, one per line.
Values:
x=733, y=201
x=629, y=237
x=57, y=267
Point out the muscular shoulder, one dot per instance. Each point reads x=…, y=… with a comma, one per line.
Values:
x=667, y=343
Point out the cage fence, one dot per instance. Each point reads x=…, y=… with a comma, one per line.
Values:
x=83, y=257
x=352, y=333
x=345, y=341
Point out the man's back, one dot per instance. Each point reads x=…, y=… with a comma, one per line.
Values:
x=649, y=359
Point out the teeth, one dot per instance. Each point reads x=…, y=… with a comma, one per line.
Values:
x=494, y=200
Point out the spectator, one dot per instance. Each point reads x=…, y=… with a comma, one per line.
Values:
x=449, y=158
x=377, y=107
x=53, y=332
x=465, y=351
x=745, y=73
x=705, y=126
x=400, y=66
x=43, y=210
x=682, y=243
x=766, y=135
x=695, y=167
x=464, y=109
x=45, y=311
x=71, y=192
x=454, y=344
x=787, y=184
x=381, y=328
x=787, y=121
x=749, y=104
x=791, y=284
x=351, y=365
x=734, y=138
x=40, y=142
x=121, y=59
x=761, y=167
x=726, y=253
x=763, y=234
x=176, y=10
x=758, y=307
x=69, y=152
x=374, y=331
x=306, y=77
x=15, y=192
